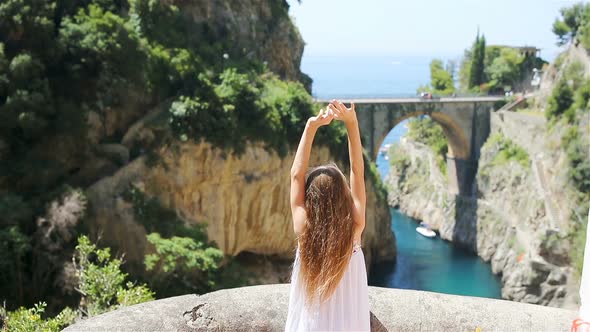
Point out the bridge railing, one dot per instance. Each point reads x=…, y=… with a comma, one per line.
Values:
x=414, y=99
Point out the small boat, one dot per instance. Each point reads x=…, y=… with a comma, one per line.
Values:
x=425, y=230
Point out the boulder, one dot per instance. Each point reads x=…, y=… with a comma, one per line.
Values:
x=264, y=308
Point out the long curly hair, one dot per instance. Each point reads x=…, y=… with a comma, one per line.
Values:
x=325, y=245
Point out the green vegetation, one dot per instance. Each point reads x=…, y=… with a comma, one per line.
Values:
x=476, y=70
x=560, y=101
x=26, y=320
x=372, y=173
x=244, y=107
x=63, y=61
x=102, y=287
x=577, y=237
x=495, y=69
x=101, y=281
x=574, y=25
x=507, y=151
x=441, y=79
x=569, y=104
x=398, y=159
x=430, y=133
x=569, y=109
x=178, y=259
x=184, y=261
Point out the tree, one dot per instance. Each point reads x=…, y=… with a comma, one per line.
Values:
x=504, y=71
x=476, y=73
x=465, y=69
x=572, y=19
x=440, y=79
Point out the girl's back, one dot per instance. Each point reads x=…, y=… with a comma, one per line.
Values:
x=329, y=280
x=347, y=309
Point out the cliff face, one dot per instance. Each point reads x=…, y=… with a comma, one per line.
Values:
x=244, y=200
x=258, y=29
x=520, y=215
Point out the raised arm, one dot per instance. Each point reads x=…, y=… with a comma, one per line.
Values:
x=299, y=168
x=357, y=164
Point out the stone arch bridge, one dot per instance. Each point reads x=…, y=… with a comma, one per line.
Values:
x=464, y=120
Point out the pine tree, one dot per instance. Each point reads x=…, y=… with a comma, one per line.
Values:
x=476, y=73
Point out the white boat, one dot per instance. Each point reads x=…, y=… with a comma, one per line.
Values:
x=424, y=230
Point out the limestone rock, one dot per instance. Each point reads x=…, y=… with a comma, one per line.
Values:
x=508, y=224
x=243, y=199
x=264, y=308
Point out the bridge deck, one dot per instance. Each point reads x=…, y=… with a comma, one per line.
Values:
x=415, y=100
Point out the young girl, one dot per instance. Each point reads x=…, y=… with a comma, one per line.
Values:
x=329, y=281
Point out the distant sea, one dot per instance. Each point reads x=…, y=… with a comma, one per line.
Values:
x=366, y=76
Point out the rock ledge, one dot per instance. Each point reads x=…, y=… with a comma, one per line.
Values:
x=264, y=308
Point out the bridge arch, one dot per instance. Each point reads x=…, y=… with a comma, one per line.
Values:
x=458, y=144
x=465, y=123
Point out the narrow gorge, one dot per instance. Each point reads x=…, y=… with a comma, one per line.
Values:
x=523, y=217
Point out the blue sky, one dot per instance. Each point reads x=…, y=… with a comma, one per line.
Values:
x=436, y=28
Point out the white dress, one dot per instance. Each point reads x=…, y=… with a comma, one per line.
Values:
x=346, y=310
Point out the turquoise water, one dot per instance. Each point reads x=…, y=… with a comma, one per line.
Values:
x=433, y=265
x=430, y=264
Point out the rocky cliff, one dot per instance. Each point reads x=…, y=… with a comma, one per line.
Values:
x=258, y=29
x=242, y=199
x=517, y=221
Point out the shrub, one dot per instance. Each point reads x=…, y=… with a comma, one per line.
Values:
x=579, y=160
x=26, y=320
x=508, y=151
x=426, y=131
x=560, y=101
x=101, y=281
x=185, y=261
x=398, y=159
x=101, y=284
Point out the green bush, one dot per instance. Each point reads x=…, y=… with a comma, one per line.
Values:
x=102, y=287
x=441, y=79
x=27, y=320
x=579, y=160
x=184, y=261
x=398, y=159
x=560, y=101
x=101, y=281
x=507, y=151
x=430, y=133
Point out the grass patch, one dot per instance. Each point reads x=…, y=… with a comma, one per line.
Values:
x=508, y=151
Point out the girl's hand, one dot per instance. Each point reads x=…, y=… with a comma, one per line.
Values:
x=341, y=112
x=323, y=118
